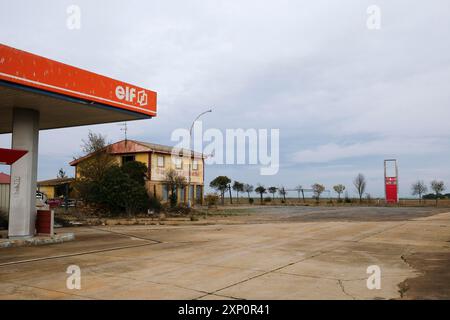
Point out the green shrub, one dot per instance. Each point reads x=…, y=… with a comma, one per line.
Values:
x=116, y=191
x=267, y=199
x=251, y=200
x=135, y=170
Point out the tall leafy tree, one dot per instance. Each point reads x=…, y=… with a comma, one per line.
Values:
x=339, y=189
x=438, y=187
x=238, y=187
x=273, y=190
x=318, y=189
x=221, y=184
x=261, y=190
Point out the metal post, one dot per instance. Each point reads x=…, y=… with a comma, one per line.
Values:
x=189, y=204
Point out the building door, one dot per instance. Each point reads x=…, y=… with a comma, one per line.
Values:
x=199, y=195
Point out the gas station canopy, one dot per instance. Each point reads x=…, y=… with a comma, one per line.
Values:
x=66, y=96
x=38, y=93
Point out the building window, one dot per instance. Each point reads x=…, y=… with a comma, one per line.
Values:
x=178, y=163
x=198, y=196
x=191, y=190
x=128, y=158
x=160, y=162
x=195, y=165
x=165, y=193
x=182, y=194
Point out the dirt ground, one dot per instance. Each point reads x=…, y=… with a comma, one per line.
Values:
x=256, y=253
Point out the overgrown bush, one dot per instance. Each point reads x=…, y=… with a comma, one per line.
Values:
x=3, y=220
x=267, y=199
x=173, y=198
x=119, y=192
x=211, y=199
x=251, y=200
x=117, y=189
x=154, y=204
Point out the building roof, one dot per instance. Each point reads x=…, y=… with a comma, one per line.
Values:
x=55, y=182
x=5, y=178
x=134, y=146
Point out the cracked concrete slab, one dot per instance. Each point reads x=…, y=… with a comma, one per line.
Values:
x=283, y=253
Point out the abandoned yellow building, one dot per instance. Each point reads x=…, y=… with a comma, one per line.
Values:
x=56, y=188
x=158, y=159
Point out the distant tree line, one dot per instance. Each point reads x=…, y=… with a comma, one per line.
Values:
x=223, y=184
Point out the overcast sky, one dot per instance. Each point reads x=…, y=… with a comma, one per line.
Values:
x=343, y=96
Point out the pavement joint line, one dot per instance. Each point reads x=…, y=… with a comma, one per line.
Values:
x=203, y=292
x=220, y=295
x=74, y=254
x=289, y=264
x=124, y=234
x=149, y=281
x=317, y=277
x=210, y=265
x=272, y=271
x=363, y=237
x=50, y=290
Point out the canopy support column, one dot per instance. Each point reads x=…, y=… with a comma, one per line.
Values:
x=22, y=211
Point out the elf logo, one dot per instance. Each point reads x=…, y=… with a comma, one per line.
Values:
x=129, y=94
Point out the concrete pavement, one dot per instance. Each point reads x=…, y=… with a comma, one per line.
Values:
x=249, y=260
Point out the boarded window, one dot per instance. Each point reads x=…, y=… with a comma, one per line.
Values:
x=128, y=158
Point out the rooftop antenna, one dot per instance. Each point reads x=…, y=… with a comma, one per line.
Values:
x=124, y=129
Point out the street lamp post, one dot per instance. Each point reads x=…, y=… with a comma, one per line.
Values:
x=189, y=204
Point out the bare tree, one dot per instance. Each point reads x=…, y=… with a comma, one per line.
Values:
x=174, y=181
x=318, y=189
x=438, y=187
x=249, y=189
x=418, y=188
x=283, y=192
x=299, y=189
x=360, y=185
x=339, y=189
x=94, y=142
